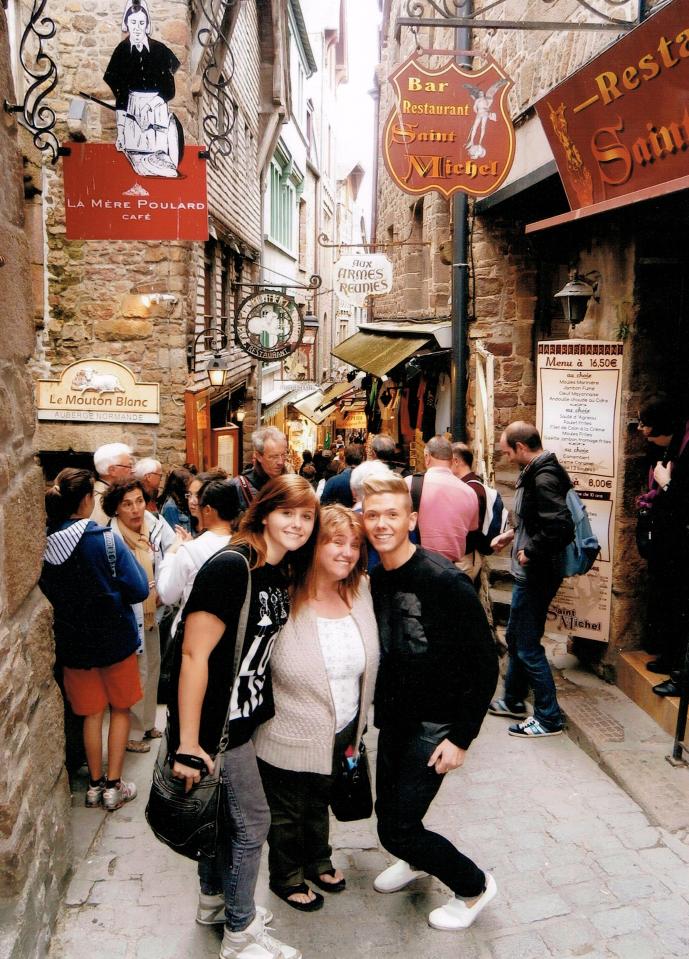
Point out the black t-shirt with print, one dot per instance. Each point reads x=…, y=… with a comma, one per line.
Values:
x=220, y=588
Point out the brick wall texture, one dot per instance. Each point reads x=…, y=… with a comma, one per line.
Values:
x=34, y=792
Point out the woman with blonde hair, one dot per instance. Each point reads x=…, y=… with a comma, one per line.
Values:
x=271, y=551
x=324, y=669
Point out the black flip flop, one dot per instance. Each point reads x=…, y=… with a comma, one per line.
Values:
x=284, y=892
x=328, y=886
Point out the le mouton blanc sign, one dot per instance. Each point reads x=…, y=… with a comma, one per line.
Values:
x=450, y=129
x=100, y=391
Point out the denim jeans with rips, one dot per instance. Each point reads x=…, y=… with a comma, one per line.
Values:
x=528, y=666
x=244, y=829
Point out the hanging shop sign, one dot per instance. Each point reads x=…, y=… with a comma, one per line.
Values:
x=621, y=123
x=450, y=130
x=147, y=185
x=359, y=276
x=578, y=414
x=268, y=326
x=97, y=390
x=105, y=200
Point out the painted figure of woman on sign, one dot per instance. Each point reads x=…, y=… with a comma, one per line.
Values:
x=141, y=77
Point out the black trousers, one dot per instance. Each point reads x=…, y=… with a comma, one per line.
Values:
x=298, y=840
x=405, y=788
x=667, y=617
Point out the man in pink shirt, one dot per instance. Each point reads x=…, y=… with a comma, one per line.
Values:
x=449, y=508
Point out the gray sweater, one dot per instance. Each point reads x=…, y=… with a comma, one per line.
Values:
x=300, y=736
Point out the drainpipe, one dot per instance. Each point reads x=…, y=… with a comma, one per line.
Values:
x=460, y=273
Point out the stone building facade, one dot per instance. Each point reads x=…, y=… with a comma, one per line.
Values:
x=514, y=275
x=34, y=793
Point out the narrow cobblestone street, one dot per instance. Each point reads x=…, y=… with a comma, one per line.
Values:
x=580, y=871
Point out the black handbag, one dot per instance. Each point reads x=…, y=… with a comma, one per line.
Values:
x=188, y=822
x=351, y=796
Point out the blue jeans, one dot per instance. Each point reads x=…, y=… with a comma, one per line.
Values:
x=244, y=829
x=405, y=788
x=527, y=666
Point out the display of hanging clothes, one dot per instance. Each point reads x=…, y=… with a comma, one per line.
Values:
x=372, y=409
x=427, y=415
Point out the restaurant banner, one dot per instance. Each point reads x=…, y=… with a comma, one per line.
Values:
x=98, y=390
x=450, y=130
x=578, y=415
x=106, y=200
x=361, y=275
x=621, y=123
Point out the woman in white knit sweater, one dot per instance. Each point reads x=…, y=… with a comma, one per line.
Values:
x=324, y=668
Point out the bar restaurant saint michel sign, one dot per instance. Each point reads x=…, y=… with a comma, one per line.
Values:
x=100, y=391
x=621, y=123
x=450, y=130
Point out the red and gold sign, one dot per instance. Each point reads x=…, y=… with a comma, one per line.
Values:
x=450, y=129
x=621, y=123
x=105, y=199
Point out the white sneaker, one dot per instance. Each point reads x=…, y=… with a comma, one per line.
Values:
x=255, y=943
x=396, y=877
x=211, y=911
x=457, y=915
x=118, y=795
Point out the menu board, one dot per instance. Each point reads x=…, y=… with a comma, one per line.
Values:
x=578, y=415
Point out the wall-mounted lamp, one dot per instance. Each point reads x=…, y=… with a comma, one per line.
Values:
x=216, y=341
x=148, y=298
x=576, y=293
x=240, y=415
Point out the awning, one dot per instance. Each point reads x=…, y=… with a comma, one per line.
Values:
x=273, y=401
x=308, y=407
x=605, y=206
x=378, y=353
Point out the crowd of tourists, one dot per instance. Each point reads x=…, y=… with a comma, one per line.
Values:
x=329, y=593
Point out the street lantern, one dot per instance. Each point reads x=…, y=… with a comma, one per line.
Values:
x=217, y=370
x=575, y=296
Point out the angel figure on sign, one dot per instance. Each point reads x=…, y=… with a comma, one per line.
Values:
x=483, y=101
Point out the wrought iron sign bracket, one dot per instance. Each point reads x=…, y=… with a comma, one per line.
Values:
x=36, y=115
x=217, y=74
x=315, y=283
x=446, y=15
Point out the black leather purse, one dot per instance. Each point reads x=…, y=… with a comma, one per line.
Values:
x=351, y=796
x=188, y=822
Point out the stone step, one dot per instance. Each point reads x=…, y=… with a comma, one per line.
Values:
x=499, y=568
x=637, y=682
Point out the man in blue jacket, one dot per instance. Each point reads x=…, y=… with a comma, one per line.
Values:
x=338, y=489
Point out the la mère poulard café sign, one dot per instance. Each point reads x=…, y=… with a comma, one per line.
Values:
x=450, y=129
x=621, y=123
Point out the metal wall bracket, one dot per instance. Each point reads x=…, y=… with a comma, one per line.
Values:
x=217, y=74
x=36, y=115
x=447, y=13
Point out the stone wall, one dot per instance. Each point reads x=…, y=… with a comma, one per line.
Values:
x=34, y=792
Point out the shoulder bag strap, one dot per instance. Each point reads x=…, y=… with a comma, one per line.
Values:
x=247, y=491
x=416, y=490
x=238, y=648
x=110, y=550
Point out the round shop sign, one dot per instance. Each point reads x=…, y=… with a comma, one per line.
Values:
x=268, y=326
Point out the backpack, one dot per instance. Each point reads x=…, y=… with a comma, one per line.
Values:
x=495, y=520
x=580, y=555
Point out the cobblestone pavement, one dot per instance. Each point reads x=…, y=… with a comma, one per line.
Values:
x=580, y=871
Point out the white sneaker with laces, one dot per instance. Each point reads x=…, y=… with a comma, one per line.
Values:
x=255, y=943
x=118, y=795
x=396, y=877
x=211, y=910
x=456, y=914
x=94, y=795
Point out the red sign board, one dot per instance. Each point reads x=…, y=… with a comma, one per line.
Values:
x=621, y=123
x=106, y=200
x=450, y=129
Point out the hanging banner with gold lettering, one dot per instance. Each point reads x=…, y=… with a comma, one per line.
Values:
x=450, y=130
x=620, y=124
x=578, y=415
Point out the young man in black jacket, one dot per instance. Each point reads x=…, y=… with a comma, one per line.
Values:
x=544, y=528
x=437, y=673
